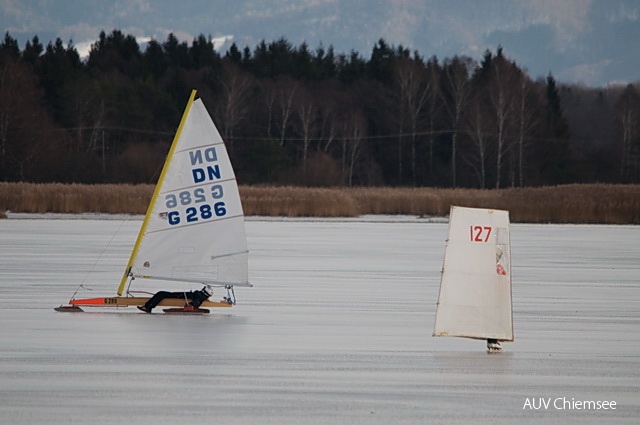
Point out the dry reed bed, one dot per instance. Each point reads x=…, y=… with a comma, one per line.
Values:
x=589, y=203
x=593, y=203
x=74, y=198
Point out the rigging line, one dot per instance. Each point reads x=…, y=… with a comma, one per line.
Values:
x=326, y=138
x=104, y=128
x=92, y=268
x=104, y=249
x=77, y=289
x=408, y=135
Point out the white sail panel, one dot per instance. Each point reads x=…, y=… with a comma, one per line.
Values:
x=475, y=287
x=195, y=228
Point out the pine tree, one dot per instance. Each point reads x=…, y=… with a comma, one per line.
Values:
x=554, y=151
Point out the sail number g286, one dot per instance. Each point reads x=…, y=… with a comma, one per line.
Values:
x=188, y=197
x=193, y=214
x=197, y=206
x=479, y=233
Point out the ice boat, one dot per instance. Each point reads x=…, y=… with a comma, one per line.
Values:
x=193, y=233
x=475, y=287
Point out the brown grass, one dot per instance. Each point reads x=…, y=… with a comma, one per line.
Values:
x=289, y=201
x=593, y=203
x=74, y=198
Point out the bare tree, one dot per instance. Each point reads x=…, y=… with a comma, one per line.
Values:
x=306, y=112
x=328, y=125
x=354, y=133
x=502, y=86
x=413, y=91
x=269, y=100
x=478, y=123
x=628, y=108
x=433, y=104
x=330, y=112
x=282, y=95
x=87, y=113
x=455, y=94
x=236, y=87
x=528, y=113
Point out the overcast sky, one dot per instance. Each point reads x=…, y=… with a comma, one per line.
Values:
x=592, y=42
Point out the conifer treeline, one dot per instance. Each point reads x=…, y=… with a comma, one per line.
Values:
x=296, y=115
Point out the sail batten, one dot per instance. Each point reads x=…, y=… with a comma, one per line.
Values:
x=200, y=281
x=195, y=186
x=230, y=254
x=475, y=287
x=191, y=148
x=190, y=225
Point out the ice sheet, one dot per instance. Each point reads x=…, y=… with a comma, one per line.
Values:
x=337, y=330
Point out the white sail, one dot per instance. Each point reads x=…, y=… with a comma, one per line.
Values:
x=475, y=287
x=194, y=228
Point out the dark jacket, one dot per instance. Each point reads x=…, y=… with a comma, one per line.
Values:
x=197, y=298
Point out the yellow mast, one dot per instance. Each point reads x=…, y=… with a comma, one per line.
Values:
x=156, y=192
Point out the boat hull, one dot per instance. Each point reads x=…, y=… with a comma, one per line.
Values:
x=135, y=301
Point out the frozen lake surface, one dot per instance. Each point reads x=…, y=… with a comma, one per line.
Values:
x=337, y=330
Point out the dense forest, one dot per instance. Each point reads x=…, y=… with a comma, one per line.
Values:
x=297, y=115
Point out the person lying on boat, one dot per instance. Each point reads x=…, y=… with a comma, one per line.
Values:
x=196, y=297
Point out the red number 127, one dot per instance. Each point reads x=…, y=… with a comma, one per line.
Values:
x=479, y=233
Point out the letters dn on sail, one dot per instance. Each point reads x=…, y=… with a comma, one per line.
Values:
x=208, y=173
x=201, y=203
